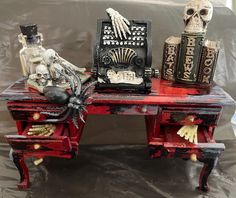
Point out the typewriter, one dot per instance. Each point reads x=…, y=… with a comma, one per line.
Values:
x=123, y=64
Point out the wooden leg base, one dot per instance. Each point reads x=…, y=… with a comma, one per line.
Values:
x=209, y=165
x=23, y=185
x=18, y=159
x=203, y=188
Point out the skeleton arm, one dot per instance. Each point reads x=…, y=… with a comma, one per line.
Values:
x=50, y=56
x=68, y=64
x=119, y=23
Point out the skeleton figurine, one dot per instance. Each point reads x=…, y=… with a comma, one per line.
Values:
x=33, y=55
x=197, y=15
x=40, y=79
x=50, y=59
x=119, y=23
x=56, y=66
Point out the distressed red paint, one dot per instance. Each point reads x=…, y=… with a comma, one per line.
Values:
x=166, y=108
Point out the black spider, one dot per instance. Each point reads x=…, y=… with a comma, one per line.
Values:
x=75, y=100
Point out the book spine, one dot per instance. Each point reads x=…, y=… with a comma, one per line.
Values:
x=207, y=65
x=189, y=59
x=170, y=60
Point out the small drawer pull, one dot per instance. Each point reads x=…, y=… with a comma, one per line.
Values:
x=193, y=157
x=190, y=118
x=144, y=109
x=37, y=146
x=36, y=116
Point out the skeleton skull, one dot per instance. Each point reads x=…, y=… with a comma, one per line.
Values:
x=42, y=75
x=50, y=56
x=197, y=15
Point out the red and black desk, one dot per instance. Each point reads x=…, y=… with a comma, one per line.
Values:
x=165, y=110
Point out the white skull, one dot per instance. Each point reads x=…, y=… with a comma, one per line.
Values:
x=50, y=56
x=197, y=15
x=42, y=75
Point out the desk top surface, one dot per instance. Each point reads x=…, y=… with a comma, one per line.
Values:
x=162, y=92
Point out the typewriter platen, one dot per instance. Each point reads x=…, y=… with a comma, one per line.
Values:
x=123, y=63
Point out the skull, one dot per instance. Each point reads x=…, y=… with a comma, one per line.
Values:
x=197, y=15
x=42, y=75
x=50, y=56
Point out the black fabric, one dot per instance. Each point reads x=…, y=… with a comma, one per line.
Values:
x=119, y=171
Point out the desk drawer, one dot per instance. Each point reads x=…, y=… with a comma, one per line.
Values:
x=122, y=109
x=31, y=112
x=172, y=145
x=58, y=141
x=39, y=144
x=189, y=116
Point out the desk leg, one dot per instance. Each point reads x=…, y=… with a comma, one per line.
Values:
x=18, y=159
x=152, y=127
x=209, y=165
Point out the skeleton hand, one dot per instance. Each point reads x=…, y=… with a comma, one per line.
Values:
x=119, y=23
x=189, y=132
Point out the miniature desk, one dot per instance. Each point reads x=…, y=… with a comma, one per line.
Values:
x=165, y=109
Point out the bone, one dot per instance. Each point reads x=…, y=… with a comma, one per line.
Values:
x=36, y=129
x=38, y=161
x=114, y=26
x=118, y=28
x=119, y=23
x=189, y=133
x=42, y=130
x=50, y=133
x=34, y=133
x=119, y=20
x=38, y=126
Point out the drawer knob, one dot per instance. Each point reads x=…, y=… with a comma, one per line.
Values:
x=191, y=118
x=193, y=157
x=37, y=146
x=144, y=109
x=36, y=116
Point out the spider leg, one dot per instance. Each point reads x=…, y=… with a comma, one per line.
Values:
x=55, y=114
x=81, y=116
x=71, y=82
x=67, y=114
x=51, y=114
x=79, y=84
x=84, y=97
x=75, y=118
x=83, y=107
x=87, y=88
